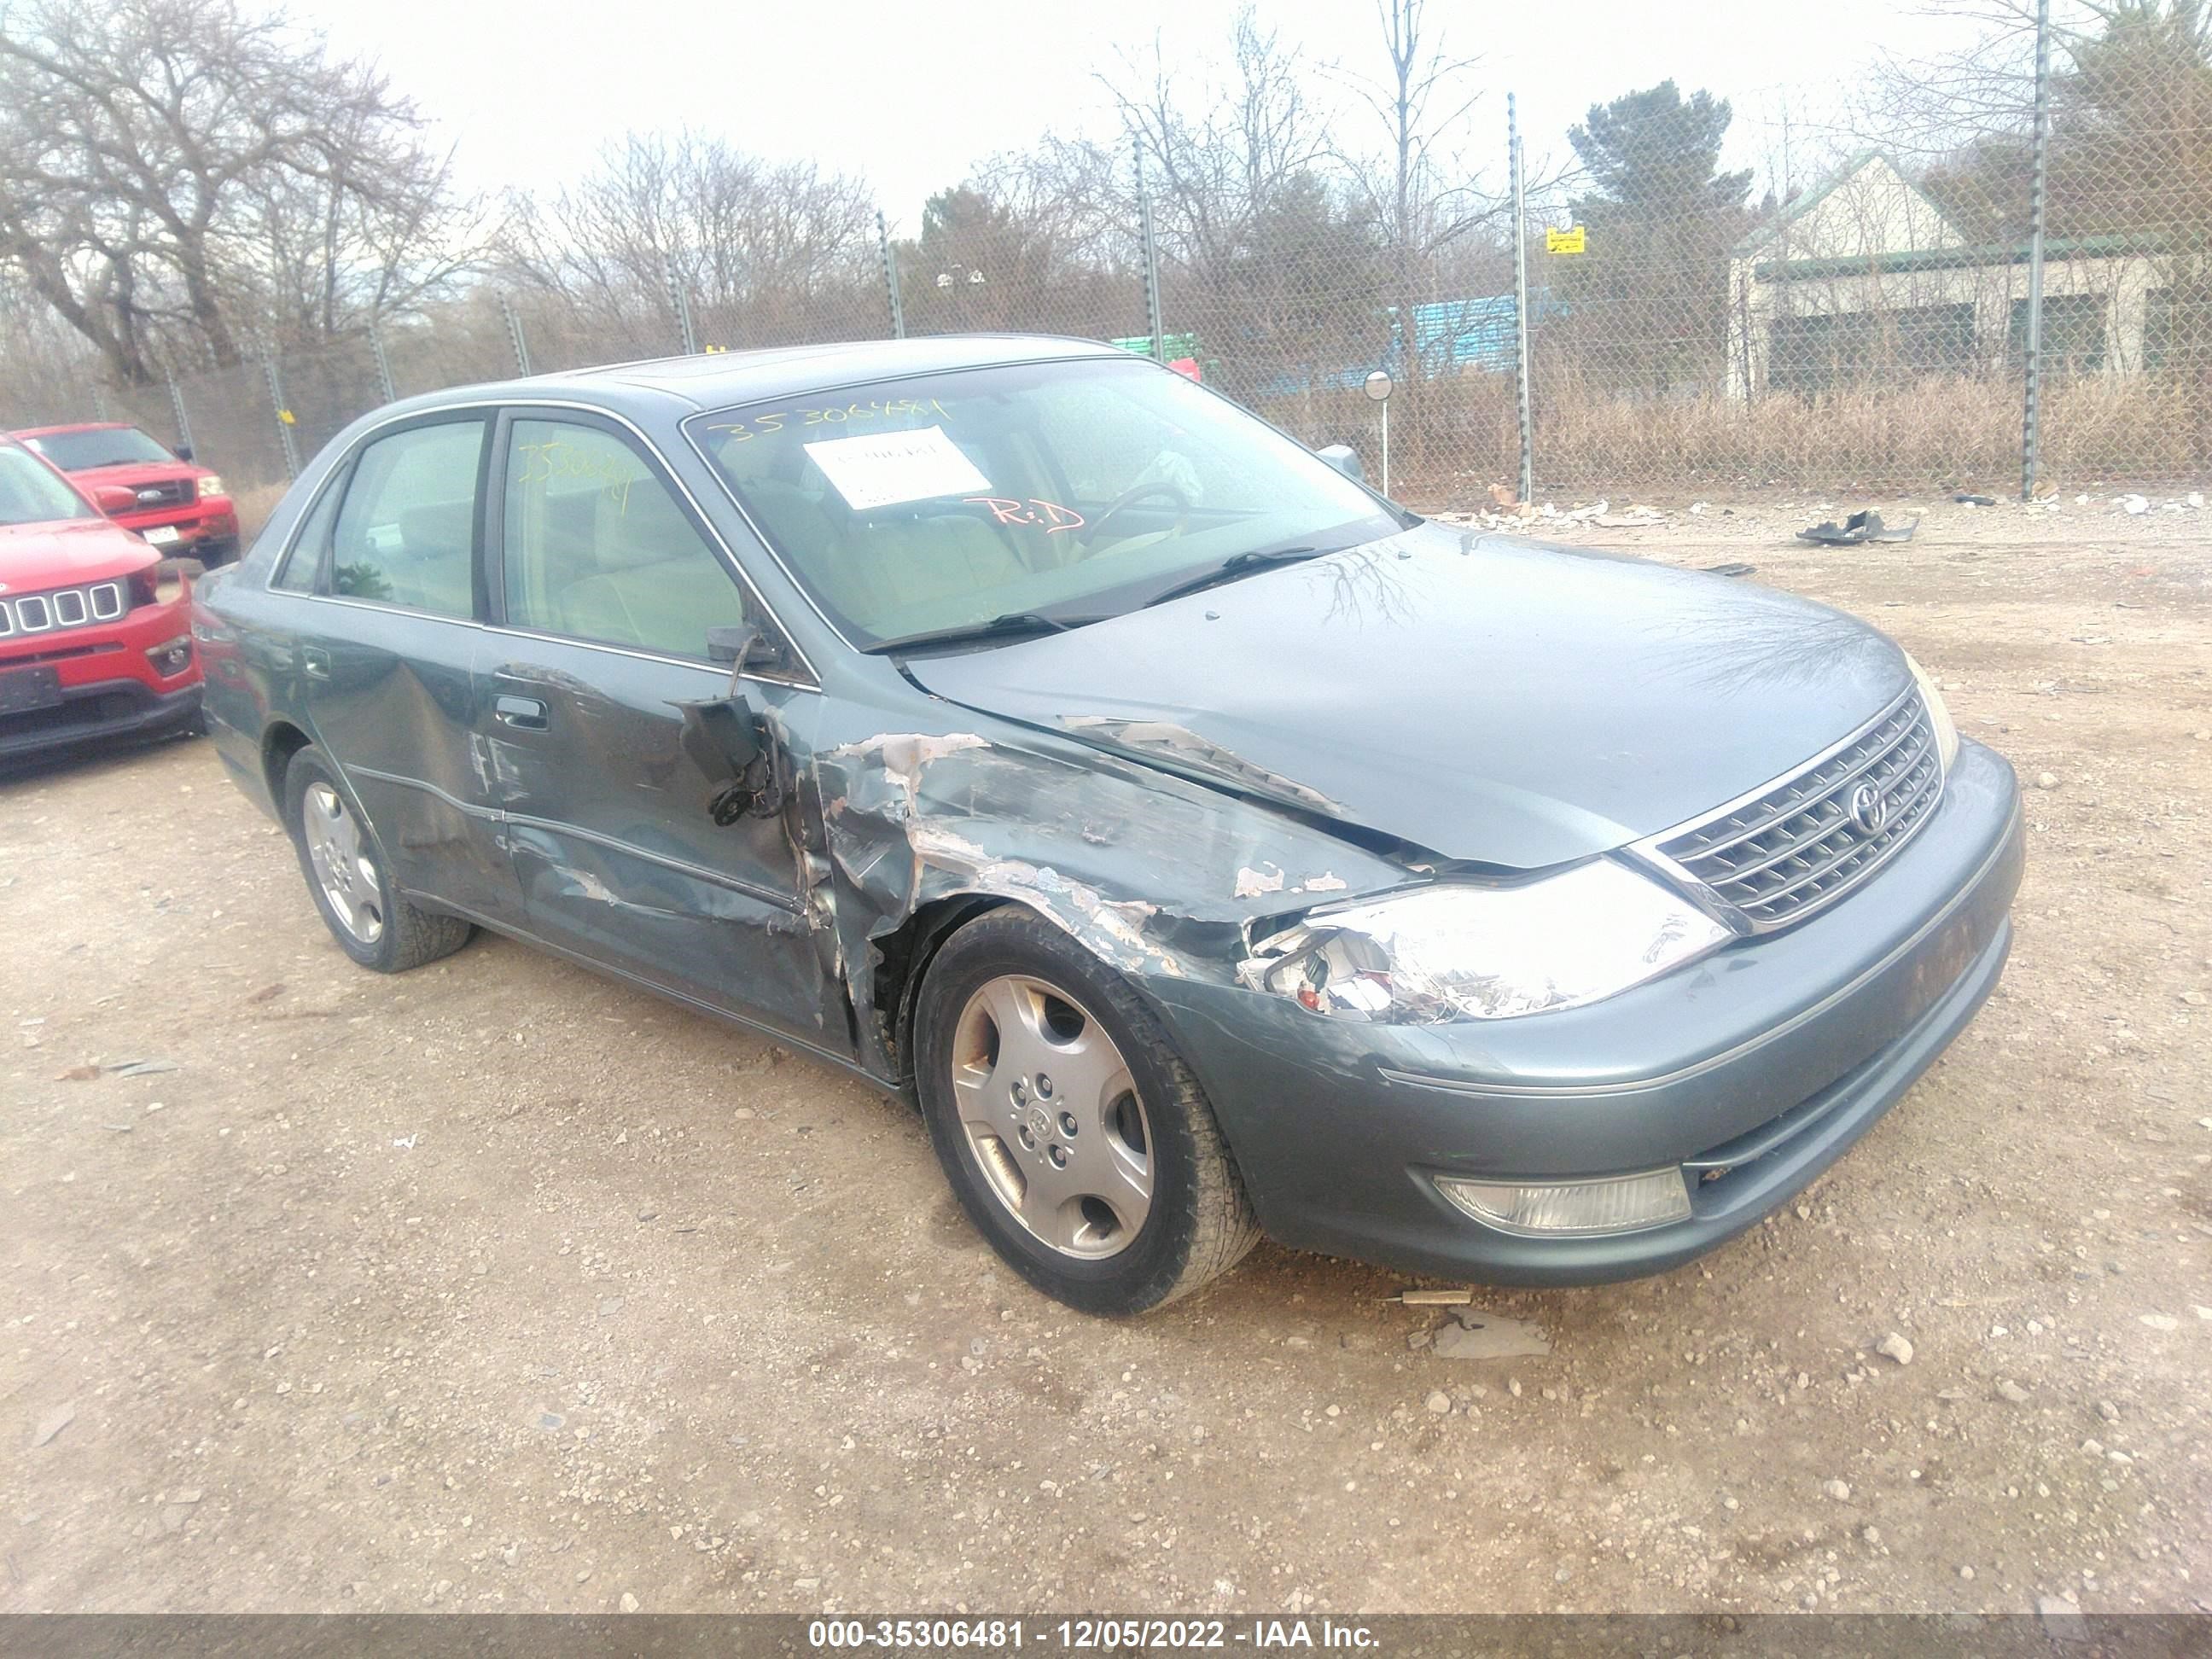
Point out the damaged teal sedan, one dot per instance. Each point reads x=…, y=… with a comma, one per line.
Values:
x=1208, y=846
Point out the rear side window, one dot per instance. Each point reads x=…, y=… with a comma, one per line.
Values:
x=596, y=548
x=302, y=563
x=405, y=532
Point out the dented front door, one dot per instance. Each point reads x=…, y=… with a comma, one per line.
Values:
x=611, y=825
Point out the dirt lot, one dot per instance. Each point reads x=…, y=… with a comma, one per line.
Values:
x=500, y=1287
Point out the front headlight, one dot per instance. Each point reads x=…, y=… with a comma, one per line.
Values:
x=210, y=485
x=1460, y=951
x=1939, y=716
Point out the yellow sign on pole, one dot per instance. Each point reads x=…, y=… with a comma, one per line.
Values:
x=1564, y=241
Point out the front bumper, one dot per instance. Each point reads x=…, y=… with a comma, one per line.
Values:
x=206, y=529
x=98, y=710
x=1762, y=1064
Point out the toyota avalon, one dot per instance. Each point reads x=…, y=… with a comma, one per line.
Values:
x=1206, y=845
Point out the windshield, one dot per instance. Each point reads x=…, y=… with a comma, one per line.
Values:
x=106, y=446
x=31, y=494
x=1067, y=490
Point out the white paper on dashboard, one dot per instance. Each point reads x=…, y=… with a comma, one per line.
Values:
x=885, y=468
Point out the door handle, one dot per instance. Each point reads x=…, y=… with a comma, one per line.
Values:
x=527, y=714
x=316, y=661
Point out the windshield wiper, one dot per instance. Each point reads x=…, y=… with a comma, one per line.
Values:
x=1232, y=567
x=1009, y=625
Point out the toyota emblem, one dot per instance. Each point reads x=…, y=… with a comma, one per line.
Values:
x=1869, y=809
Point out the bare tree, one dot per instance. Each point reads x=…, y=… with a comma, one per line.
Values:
x=181, y=180
x=762, y=249
x=1426, y=196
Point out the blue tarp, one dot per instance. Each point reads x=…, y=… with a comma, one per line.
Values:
x=1450, y=336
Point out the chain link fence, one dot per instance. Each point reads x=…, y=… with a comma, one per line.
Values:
x=2015, y=298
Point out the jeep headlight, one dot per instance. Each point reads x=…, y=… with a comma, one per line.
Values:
x=1939, y=716
x=1459, y=951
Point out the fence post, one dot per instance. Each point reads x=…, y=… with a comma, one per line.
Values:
x=2031, y=432
x=1520, y=294
x=383, y=365
x=177, y=410
x=514, y=335
x=891, y=276
x=1151, y=257
x=685, y=333
x=284, y=417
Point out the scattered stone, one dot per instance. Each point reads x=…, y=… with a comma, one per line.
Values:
x=610, y=1307
x=2009, y=1390
x=1839, y=1490
x=2160, y=1321
x=2062, y=1620
x=1439, y=1402
x=266, y=994
x=1965, y=1572
x=1871, y=1535
x=2046, y=780
x=53, y=1423
x=2134, y=505
x=2108, y=1411
x=629, y=1602
x=1896, y=1348
x=1474, y=1334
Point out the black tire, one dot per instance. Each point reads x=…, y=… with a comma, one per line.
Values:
x=1200, y=1224
x=409, y=936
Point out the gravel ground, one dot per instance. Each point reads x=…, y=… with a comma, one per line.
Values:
x=499, y=1286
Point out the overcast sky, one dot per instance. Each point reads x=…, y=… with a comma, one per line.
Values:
x=910, y=95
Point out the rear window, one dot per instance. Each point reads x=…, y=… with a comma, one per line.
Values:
x=120, y=446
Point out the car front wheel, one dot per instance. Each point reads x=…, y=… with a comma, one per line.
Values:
x=348, y=880
x=1077, y=1141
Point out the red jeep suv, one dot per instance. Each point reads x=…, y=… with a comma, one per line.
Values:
x=176, y=506
x=95, y=626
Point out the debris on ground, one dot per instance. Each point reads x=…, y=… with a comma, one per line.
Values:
x=1865, y=526
x=1456, y=1296
x=140, y=1067
x=1631, y=518
x=1896, y=1348
x=2134, y=505
x=1471, y=1333
x=1733, y=568
x=53, y=1424
x=1967, y=498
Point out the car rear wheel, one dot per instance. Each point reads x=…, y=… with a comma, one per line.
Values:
x=1077, y=1141
x=347, y=877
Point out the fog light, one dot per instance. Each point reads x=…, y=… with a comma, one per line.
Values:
x=172, y=657
x=1622, y=1204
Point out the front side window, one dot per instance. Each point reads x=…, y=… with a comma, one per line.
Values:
x=596, y=548
x=1072, y=490
x=406, y=533
x=31, y=494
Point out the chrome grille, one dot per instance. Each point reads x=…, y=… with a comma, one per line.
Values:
x=60, y=608
x=1797, y=846
x=169, y=492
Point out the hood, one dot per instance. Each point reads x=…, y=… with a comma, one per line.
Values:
x=34, y=557
x=1489, y=700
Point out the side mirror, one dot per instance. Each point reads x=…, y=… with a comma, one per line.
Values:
x=113, y=499
x=1345, y=460
x=183, y=452
x=721, y=736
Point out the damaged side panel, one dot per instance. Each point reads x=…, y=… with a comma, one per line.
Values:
x=1157, y=875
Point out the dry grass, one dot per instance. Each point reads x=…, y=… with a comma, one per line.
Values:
x=1460, y=435
x=254, y=506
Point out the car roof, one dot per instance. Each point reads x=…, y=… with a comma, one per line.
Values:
x=718, y=379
